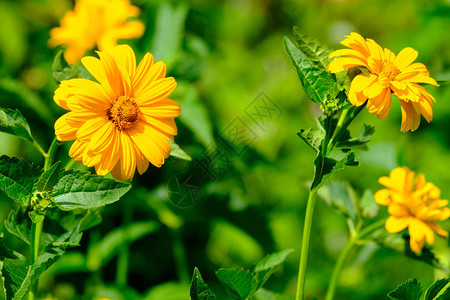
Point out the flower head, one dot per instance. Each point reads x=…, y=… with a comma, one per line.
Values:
x=413, y=204
x=124, y=121
x=95, y=22
x=387, y=73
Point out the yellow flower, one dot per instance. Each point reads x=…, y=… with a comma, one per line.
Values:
x=95, y=22
x=388, y=74
x=125, y=120
x=415, y=204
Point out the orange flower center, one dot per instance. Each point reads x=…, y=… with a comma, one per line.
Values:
x=388, y=73
x=124, y=113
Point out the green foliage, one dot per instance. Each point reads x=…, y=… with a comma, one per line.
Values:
x=17, y=178
x=240, y=284
x=263, y=294
x=168, y=291
x=267, y=266
x=105, y=249
x=199, y=289
x=49, y=178
x=178, y=152
x=410, y=290
x=369, y=208
x=364, y=136
x=82, y=190
x=312, y=137
x=314, y=79
x=12, y=122
x=340, y=196
x=325, y=167
x=439, y=290
x=64, y=71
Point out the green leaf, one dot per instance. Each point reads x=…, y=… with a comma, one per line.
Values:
x=263, y=294
x=13, y=122
x=178, y=152
x=340, y=196
x=18, y=223
x=410, y=290
x=167, y=291
x=318, y=55
x=169, y=31
x=199, y=289
x=361, y=140
x=82, y=190
x=63, y=71
x=240, y=284
x=17, y=178
x=369, y=208
x=49, y=178
x=400, y=244
x=314, y=79
x=312, y=137
x=104, y=250
x=325, y=167
x=18, y=275
x=267, y=266
x=437, y=289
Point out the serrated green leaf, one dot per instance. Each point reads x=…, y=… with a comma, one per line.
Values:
x=82, y=190
x=340, y=196
x=312, y=137
x=315, y=81
x=369, y=208
x=437, y=289
x=199, y=289
x=267, y=266
x=104, y=250
x=49, y=178
x=410, y=290
x=325, y=167
x=63, y=71
x=318, y=54
x=361, y=140
x=240, y=284
x=17, y=178
x=13, y=122
x=400, y=244
x=263, y=294
x=178, y=152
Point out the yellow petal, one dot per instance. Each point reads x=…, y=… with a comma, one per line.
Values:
x=142, y=70
x=157, y=90
x=164, y=108
x=155, y=72
x=124, y=55
x=394, y=225
x=383, y=197
x=381, y=104
x=88, y=129
x=405, y=58
x=343, y=63
x=63, y=131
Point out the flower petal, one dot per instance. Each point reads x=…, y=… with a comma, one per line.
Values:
x=405, y=58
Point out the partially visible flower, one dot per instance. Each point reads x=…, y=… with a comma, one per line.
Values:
x=387, y=73
x=123, y=122
x=413, y=204
x=95, y=23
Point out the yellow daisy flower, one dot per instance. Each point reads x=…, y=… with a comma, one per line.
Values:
x=95, y=22
x=413, y=204
x=388, y=74
x=125, y=120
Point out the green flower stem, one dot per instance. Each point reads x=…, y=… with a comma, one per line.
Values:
x=39, y=148
x=51, y=154
x=345, y=252
x=36, y=230
x=69, y=165
x=341, y=126
x=123, y=258
x=305, y=245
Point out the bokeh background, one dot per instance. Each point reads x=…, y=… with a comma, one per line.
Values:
x=228, y=56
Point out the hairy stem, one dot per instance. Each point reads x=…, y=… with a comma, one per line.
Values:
x=305, y=245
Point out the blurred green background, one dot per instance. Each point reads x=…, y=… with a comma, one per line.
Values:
x=226, y=56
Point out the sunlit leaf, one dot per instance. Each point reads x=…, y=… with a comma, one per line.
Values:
x=64, y=71
x=13, y=122
x=82, y=190
x=267, y=266
x=312, y=137
x=199, y=289
x=364, y=136
x=340, y=196
x=369, y=208
x=441, y=288
x=17, y=178
x=410, y=290
x=178, y=152
x=240, y=284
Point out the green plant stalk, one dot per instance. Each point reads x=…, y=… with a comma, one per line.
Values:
x=51, y=154
x=345, y=252
x=305, y=245
x=36, y=230
x=123, y=257
x=39, y=148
